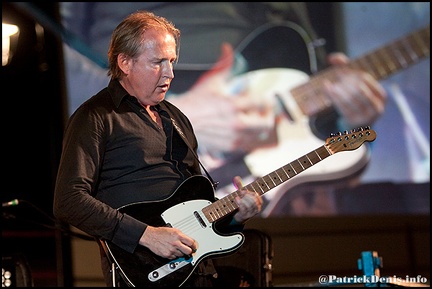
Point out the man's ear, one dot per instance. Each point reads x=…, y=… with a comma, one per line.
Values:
x=123, y=61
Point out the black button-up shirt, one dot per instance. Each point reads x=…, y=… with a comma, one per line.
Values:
x=114, y=155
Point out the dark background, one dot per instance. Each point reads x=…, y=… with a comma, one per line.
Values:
x=33, y=115
x=35, y=86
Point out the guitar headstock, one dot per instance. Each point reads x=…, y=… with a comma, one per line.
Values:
x=348, y=141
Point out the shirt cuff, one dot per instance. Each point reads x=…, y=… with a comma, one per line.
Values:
x=128, y=233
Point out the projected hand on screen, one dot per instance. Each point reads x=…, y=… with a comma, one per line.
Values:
x=356, y=95
x=227, y=117
x=238, y=114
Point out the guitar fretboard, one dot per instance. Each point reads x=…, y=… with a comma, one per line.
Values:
x=380, y=63
x=337, y=143
x=226, y=205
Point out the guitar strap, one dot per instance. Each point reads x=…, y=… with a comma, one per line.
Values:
x=179, y=130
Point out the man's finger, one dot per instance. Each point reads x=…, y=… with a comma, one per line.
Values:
x=237, y=181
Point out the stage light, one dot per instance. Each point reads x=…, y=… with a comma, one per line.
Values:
x=10, y=35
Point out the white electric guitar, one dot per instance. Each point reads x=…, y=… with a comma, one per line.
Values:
x=193, y=209
x=302, y=98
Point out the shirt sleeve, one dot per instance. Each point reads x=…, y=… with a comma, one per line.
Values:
x=77, y=179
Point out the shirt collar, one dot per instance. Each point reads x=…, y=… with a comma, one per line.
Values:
x=118, y=93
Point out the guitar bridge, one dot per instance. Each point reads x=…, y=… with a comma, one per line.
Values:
x=167, y=269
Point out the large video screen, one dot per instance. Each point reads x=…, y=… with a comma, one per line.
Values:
x=245, y=66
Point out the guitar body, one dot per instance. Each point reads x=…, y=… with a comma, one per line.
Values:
x=182, y=210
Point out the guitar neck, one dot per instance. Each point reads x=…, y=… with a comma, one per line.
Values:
x=227, y=205
x=339, y=142
x=380, y=63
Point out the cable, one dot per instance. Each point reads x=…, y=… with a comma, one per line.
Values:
x=56, y=226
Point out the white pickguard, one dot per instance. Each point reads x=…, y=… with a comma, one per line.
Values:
x=182, y=216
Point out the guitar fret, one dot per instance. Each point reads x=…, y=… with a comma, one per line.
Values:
x=315, y=151
x=209, y=212
x=267, y=180
x=380, y=63
x=276, y=179
x=374, y=67
x=323, y=152
x=251, y=187
x=405, y=53
x=259, y=190
x=306, y=162
x=270, y=183
x=232, y=202
x=420, y=46
x=226, y=209
x=220, y=208
x=297, y=167
x=320, y=99
x=291, y=172
x=303, y=92
x=280, y=179
x=216, y=212
x=286, y=174
x=422, y=43
x=301, y=163
x=387, y=61
x=413, y=53
x=313, y=158
x=284, y=177
x=401, y=59
x=410, y=51
x=209, y=215
x=395, y=59
x=263, y=185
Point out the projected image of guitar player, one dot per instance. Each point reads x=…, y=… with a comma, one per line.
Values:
x=262, y=86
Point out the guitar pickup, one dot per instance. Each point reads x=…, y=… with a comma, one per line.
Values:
x=200, y=220
x=281, y=106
